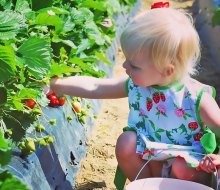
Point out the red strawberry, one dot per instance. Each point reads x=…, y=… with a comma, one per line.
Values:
x=53, y=100
x=62, y=100
x=162, y=97
x=54, y=103
x=51, y=95
x=193, y=125
x=149, y=104
x=198, y=136
x=156, y=97
x=30, y=103
x=55, y=77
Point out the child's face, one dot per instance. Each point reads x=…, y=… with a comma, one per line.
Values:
x=142, y=71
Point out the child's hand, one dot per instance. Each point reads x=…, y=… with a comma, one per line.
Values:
x=209, y=163
x=46, y=89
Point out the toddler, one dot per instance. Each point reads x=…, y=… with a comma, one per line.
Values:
x=174, y=120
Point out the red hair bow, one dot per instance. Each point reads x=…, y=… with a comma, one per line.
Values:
x=160, y=5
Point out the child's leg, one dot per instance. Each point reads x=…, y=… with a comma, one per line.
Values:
x=130, y=162
x=156, y=168
x=180, y=170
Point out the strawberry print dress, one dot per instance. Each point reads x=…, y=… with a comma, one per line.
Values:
x=167, y=121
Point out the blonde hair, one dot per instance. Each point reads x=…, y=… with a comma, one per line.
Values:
x=169, y=37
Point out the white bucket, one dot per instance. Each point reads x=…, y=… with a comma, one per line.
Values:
x=165, y=184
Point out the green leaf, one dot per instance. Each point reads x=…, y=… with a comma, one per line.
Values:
x=216, y=17
x=86, y=68
x=22, y=6
x=9, y=182
x=7, y=63
x=152, y=125
x=11, y=23
x=81, y=15
x=3, y=96
x=5, y=150
x=59, y=69
x=66, y=42
x=113, y=6
x=37, y=55
x=17, y=104
x=160, y=130
x=69, y=43
x=69, y=25
x=103, y=58
x=56, y=10
x=6, y=4
x=49, y=19
x=183, y=128
x=85, y=44
x=27, y=93
x=93, y=32
x=158, y=136
x=98, y=5
x=37, y=5
x=42, y=99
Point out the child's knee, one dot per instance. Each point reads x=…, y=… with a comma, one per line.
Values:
x=181, y=170
x=126, y=144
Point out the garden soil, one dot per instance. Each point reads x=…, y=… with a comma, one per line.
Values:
x=98, y=168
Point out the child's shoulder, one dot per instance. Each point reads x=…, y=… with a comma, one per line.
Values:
x=198, y=87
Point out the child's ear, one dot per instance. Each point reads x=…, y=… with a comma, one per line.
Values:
x=168, y=70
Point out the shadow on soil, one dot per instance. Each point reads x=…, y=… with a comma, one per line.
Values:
x=91, y=185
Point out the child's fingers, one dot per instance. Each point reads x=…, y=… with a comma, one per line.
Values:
x=207, y=165
x=215, y=159
x=46, y=89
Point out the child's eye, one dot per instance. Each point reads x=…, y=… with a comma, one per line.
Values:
x=134, y=67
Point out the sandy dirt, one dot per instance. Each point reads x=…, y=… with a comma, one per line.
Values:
x=98, y=168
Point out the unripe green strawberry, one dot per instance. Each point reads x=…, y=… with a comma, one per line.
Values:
x=82, y=119
x=42, y=142
x=53, y=121
x=69, y=118
x=29, y=144
x=40, y=128
x=49, y=139
x=84, y=112
x=37, y=111
x=88, y=106
x=8, y=132
x=21, y=145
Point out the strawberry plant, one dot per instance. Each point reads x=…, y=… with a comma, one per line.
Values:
x=70, y=41
x=44, y=40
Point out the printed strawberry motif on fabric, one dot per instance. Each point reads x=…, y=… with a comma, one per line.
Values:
x=162, y=97
x=149, y=104
x=198, y=136
x=193, y=125
x=156, y=97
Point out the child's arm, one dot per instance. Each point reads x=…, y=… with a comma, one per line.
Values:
x=210, y=113
x=90, y=87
